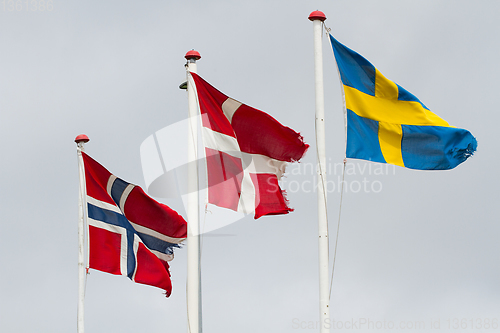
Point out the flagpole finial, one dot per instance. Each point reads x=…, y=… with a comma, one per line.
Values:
x=194, y=55
x=82, y=138
x=317, y=15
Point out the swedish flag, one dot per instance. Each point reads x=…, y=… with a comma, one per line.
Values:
x=387, y=124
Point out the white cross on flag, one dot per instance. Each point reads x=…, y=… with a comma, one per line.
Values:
x=246, y=152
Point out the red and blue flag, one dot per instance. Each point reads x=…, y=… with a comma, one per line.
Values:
x=129, y=233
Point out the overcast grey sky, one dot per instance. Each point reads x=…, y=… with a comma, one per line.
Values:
x=422, y=248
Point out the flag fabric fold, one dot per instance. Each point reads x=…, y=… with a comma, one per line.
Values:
x=129, y=233
x=388, y=124
x=246, y=152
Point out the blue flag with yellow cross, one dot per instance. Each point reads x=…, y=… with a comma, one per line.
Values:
x=387, y=124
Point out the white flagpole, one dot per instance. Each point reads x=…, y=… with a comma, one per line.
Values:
x=80, y=141
x=193, y=288
x=317, y=18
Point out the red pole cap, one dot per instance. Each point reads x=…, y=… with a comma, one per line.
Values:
x=193, y=55
x=317, y=15
x=82, y=138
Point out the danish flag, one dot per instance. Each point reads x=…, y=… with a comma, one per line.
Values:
x=246, y=150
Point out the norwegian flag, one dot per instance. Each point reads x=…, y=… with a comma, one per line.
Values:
x=129, y=233
x=246, y=152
